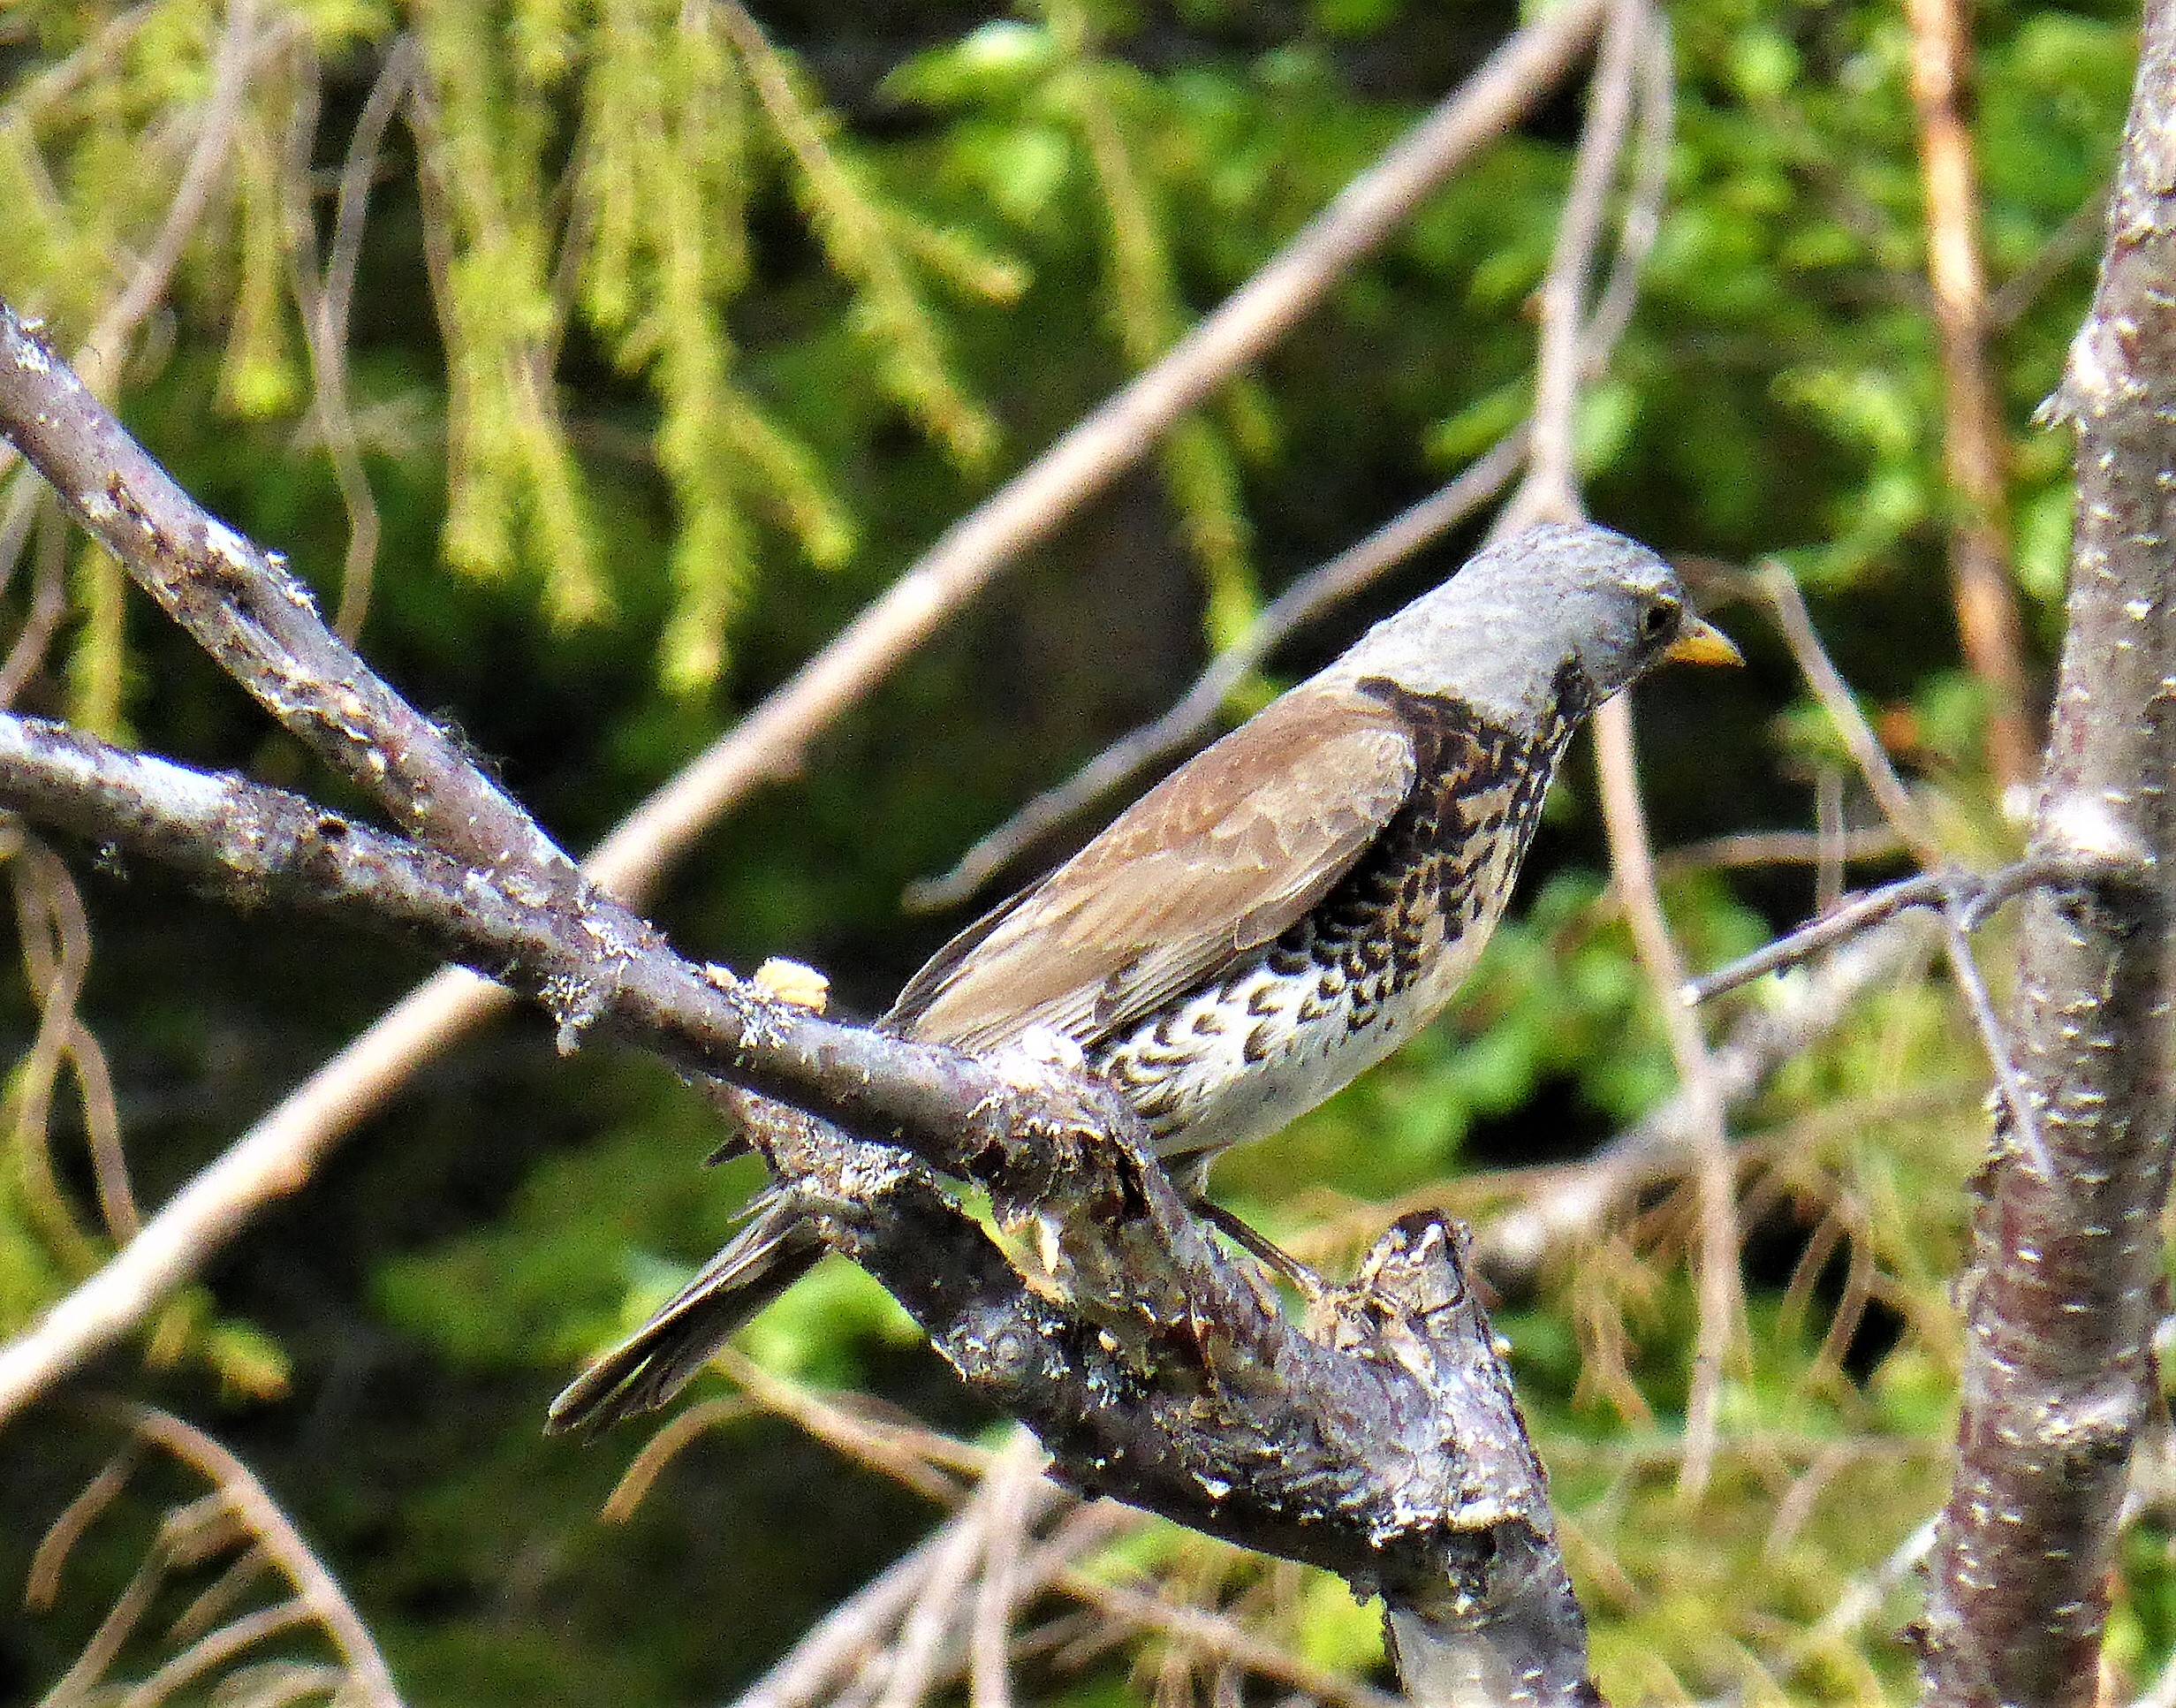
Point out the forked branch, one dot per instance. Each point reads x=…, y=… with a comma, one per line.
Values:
x=283, y=1148
x=1383, y=1444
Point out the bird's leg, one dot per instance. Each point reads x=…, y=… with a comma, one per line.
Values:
x=1271, y=1256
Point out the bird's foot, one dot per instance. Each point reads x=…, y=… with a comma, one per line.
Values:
x=1273, y=1256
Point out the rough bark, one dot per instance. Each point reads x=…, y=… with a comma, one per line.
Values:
x=1380, y=1441
x=2065, y=1286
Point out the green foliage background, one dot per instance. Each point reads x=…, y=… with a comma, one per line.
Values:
x=672, y=344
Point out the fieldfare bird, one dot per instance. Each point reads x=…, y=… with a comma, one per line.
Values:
x=1279, y=913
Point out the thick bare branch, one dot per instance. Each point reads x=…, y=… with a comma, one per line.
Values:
x=245, y=608
x=282, y=1150
x=1158, y=1368
x=2062, y=1292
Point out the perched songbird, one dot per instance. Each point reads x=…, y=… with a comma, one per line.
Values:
x=1281, y=911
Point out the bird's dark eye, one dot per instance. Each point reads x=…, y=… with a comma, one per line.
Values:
x=1659, y=619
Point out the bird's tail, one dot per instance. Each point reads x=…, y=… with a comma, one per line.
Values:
x=779, y=1246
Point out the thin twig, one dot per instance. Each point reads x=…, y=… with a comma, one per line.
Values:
x=1721, y=1289
x=665, y=1446
x=100, y=357
x=42, y=1583
x=1864, y=1597
x=1550, y=493
x=1009, y=1487
x=1205, y=1632
x=221, y=1596
x=317, y=1590
x=28, y=104
x=1737, y=850
x=1960, y=913
x=903, y=1454
x=2074, y=240
x=851, y=1632
x=1795, y=624
x=1178, y=729
x=1829, y=831
x=1970, y=899
x=2016, y=1098
x=1550, y=489
x=212, y=1650
x=1396, y=541
x=325, y=307
x=1577, y=1201
x=49, y=600
x=944, y=1599
x=1640, y=223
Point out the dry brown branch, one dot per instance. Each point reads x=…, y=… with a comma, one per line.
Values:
x=1720, y=1285
x=238, y=1514
x=54, y=935
x=261, y=1516
x=55, y=84
x=949, y=1600
x=1411, y=531
x=42, y=1583
x=2062, y=1294
x=2074, y=239
x=1152, y=1364
x=944, y=1602
x=281, y=1151
x=663, y=1447
x=855, y=1631
x=1550, y=489
x=1572, y=1204
x=1738, y=850
x=907, y=1453
x=1794, y=622
x=1550, y=493
x=1966, y=900
x=325, y=301
x=1196, y=1631
x=1198, y=710
x=26, y=499
x=1009, y=1488
x=1974, y=445
x=1903, y=813
x=49, y=600
x=100, y=356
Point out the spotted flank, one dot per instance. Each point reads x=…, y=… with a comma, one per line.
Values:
x=1280, y=912
x=1369, y=965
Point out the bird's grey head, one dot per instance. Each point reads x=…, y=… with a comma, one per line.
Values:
x=1554, y=609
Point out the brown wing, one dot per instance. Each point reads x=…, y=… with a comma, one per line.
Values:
x=1213, y=861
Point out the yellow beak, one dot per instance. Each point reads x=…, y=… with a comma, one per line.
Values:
x=1700, y=643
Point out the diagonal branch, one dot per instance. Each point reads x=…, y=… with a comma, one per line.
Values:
x=1155, y=1366
x=1384, y=1445
x=284, y=1147
x=258, y=622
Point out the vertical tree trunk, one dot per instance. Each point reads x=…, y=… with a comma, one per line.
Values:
x=2064, y=1290
x=1973, y=451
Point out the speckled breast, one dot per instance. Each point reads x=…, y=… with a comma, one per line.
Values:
x=1369, y=965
